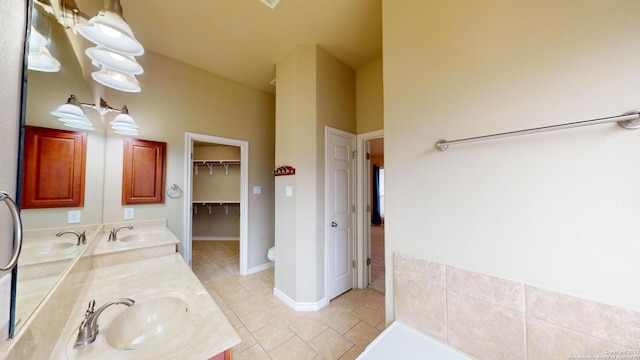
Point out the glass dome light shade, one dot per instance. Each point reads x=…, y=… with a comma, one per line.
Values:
x=80, y=126
x=71, y=110
x=76, y=121
x=109, y=30
x=123, y=120
x=126, y=131
x=123, y=63
x=116, y=80
x=36, y=41
x=43, y=61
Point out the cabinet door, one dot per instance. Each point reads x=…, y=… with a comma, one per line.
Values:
x=143, y=172
x=53, y=168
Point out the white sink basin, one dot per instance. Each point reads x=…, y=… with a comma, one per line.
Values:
x=139, y=237
x=45, y=249
x=149, y=324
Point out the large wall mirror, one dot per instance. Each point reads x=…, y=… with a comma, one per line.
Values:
x=45, y=92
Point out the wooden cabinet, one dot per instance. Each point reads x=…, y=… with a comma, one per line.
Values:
x=53, y=168
x=227, y=355
x=143, y=173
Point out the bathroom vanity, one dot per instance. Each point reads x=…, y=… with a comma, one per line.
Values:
x=173, y=315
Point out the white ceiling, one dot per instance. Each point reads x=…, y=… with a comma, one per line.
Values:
x=244, y=39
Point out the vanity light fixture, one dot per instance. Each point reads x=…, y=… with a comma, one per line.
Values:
x=72, y=115
x=109, y=30
x=71, y=110
x=116, y=80
x=122, y=63
x=40, y=59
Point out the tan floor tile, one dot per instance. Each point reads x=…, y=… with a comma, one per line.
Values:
x=255, y=352
x=307, y=327
x=370, y=314
x=246, y=306
x=340, y=320
x=273, y=335
x=233, y=320
x=362, y=334
x=373, y=297
x=352, y=354
x=330, y=345
x=256, y=320
x=247, y=340
x=233, y=294
x=293, y=348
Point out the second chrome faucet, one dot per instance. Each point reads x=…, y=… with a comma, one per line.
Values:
x=82, y=238
x=113, y=234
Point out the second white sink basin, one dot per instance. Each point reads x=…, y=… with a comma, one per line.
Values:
x=139, y=237
x=149, y=324
x=48, y=248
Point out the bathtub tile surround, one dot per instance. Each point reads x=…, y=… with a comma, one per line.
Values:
x=423, y=280
x=488, y=317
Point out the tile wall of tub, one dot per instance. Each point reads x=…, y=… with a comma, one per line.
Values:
x=492, y=318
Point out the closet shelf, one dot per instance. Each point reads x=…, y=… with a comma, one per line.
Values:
x=211, y=163
x=210, y=203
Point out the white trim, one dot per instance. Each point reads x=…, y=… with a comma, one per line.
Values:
x=300, y=306
x=329, y=130
x=244, y=191
x=214, y=238
x=361, y=206
x=262, y=267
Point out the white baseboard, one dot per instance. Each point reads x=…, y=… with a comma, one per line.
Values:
x=259, y=268
x=214, y=238
x=299, y=306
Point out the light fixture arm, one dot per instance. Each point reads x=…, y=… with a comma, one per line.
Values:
x=113, y=6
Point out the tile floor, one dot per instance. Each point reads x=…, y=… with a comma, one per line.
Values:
x=271, y=330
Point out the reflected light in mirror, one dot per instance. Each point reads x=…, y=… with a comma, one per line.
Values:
x=71, y=110
x=109, y=30
x=40, y=59
x=112, y=60
x=116, y=80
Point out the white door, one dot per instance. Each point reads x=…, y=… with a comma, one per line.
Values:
x=340, y=210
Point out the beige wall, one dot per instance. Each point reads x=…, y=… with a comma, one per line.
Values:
x=314, y=90
x=369, y=97
x=554, y=210
x=177, y=98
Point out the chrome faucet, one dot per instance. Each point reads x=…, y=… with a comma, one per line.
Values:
x=82, y=238
x=88, y=329
x=114, y=232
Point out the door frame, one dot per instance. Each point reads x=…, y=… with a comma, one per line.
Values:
x=363, y=235
x=330, y=130
x=244, y=191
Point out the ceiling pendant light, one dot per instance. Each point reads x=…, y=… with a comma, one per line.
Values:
x=123, y=63
x=70, y=110
x=116, y=80
x=109, y=30
x=40, y=59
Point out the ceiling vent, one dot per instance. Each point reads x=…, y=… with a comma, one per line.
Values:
x=270, y=3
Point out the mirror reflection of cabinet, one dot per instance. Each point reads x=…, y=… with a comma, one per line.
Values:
x=53, y=168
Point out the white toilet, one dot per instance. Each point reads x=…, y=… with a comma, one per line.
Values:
x=271, y=254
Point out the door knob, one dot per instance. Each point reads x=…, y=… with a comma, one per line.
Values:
x=333, y=224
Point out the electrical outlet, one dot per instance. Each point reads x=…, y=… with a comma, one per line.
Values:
x=257, y=190
x=128, y=213
x=73, y=216
x=288, y=191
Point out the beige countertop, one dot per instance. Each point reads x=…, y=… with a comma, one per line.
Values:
x=199, y=329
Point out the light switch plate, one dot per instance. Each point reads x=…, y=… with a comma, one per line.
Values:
x=288, y=191
x=73, y=216
x=128, y=213
x=257, y=190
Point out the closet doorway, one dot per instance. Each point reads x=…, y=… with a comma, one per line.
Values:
x=376, y=215
x=370, y=213
x=216, y=206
